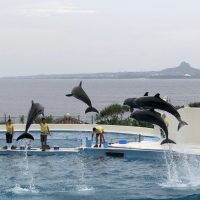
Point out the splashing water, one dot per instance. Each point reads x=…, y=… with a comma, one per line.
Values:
x=182, y=170
x=26, y=173
x=21, y=190
x=82, y=186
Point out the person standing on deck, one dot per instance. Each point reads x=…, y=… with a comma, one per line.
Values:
x=44, y=132
x=165, y=119
x=9, y=133
x=99, y=132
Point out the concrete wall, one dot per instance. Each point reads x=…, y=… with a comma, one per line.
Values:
x=189, y=134
x=88, y=127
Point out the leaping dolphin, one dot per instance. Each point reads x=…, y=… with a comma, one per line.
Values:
x=155, y=102
x=80, y=94
x=153, y=118
x=131, y=102
x=35, y=110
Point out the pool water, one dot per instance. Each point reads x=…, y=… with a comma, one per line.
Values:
x=75, y=176
x=73, y=138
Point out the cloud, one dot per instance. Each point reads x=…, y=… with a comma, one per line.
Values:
x=43, y=9
x=49, y=9
x=55, y=11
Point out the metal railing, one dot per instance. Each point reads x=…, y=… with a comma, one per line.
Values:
x=66, y=119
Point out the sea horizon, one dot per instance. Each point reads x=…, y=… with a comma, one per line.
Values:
x=17, y=94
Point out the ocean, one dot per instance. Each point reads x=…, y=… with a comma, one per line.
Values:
x=17, y=94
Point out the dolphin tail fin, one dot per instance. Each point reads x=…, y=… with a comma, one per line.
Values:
x=181, y=123
x=91, y=109
x=25, y=135
x=69, y=95
x=167, y=140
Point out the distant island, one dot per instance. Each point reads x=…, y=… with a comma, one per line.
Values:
x=183, y=71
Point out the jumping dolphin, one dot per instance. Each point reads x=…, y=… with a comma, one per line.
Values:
x=35, y=110
x=80, y=94
x=131, y=102
x=153, y=118
x=156, y=102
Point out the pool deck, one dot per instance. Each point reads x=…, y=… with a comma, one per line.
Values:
x=133, y=150
x=187, y=139
x=77, y=128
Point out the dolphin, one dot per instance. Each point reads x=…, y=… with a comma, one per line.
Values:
x=155, y=102
x=35, y=110
x=80, y=94
x=153, y=118
x=131, y=102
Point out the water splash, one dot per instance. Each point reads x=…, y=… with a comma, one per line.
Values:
x=82, y=181
x=18, y=189
x=182, y=170
x=85, y=188
x=82, y=185
x=26, y=173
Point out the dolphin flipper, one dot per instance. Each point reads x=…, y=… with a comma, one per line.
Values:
x=69, y=95
x=25, y=135
x=181, y=123
x=167, y=141
x=91, y=109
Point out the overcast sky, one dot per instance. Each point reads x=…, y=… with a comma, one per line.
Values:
x=76, y=36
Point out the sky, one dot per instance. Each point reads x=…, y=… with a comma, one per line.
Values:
x=88, y=36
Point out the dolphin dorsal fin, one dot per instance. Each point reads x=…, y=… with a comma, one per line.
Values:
x=80, y=84
x=146, y=94
x=157, y=95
